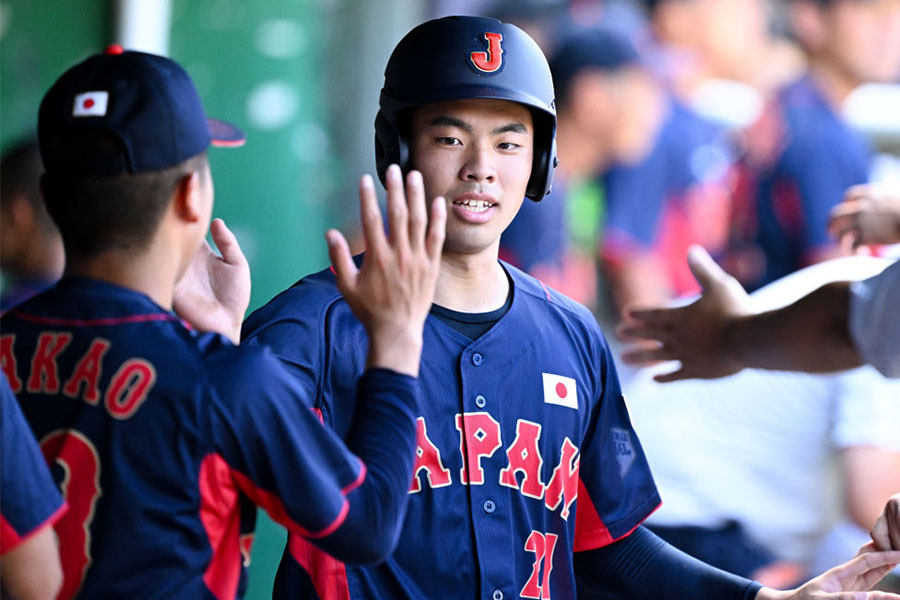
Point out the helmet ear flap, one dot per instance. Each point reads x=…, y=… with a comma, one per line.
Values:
x=544, y=163
x=390, y=147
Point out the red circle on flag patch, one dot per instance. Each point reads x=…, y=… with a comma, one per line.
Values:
x=561, y=390
x=88, y=103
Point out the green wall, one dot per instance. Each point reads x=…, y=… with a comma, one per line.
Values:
x=39, y=39
x=258, y=65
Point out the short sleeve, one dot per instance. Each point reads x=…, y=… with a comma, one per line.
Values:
x=875, y=320
x=273, y=445
x=30, y=498
x=616, y=490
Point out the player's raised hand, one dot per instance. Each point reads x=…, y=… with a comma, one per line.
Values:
x=392, y=293
x=886, y=531
x=869, y=214
x=848, y=581
x=697, y=335
x=214, y=292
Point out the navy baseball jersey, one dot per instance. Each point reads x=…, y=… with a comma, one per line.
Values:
x=163, y=440
x=801, y=158
x=29, y=500
x=679, y=195
x=525, y=450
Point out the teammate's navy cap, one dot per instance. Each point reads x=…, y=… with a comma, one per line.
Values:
x=146, y=102
x=456, y=58
x=598, y=49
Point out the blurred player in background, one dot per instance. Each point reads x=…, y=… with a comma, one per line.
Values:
x=681, y=193
x=609, y=109
x=31, y=251
x=837, y=326
x=801, y=155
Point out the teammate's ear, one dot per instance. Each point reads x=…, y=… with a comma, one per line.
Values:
x=188, y=197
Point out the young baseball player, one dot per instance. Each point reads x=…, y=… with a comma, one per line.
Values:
x=528, y=475
x=163, y=439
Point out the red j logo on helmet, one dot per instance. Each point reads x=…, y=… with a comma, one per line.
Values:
x=490, y=60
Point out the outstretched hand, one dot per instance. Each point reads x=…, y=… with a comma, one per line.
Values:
x=214, y=292
x=392, y=293
x=697, y=335
x=848, y=581
x=869, y=214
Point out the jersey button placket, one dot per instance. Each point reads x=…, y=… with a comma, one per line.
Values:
x=477, y=359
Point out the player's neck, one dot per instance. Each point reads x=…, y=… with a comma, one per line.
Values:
x=149, y=271
x=471, y=284
x=835, y=83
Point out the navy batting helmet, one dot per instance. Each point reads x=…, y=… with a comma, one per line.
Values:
x=467, y=57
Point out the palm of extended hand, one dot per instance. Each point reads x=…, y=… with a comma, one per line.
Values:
x=698, y=334
x=214, y=292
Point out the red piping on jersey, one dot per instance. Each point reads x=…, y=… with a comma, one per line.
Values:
x=358, y=481
x=10, y=538
x=546, y=291
x=94, y=322
x=328, y=575
x=591, y=532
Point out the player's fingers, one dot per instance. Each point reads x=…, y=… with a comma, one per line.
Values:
x=860, y=190
x=341, y=260
x=641, y=330
x=643, y=356
x=418, y=216
x=654, y=324
x=370, y=216
x=867, y=566
x=892, y=511
x=227, y=243
x=671, y=376
x=858, y=596
x=880, y=535
x=437, y=224
x=705, y=270
x=397, y=211
x=649, y=316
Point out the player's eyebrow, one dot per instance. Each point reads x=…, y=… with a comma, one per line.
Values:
x=510, y=128
x=444, y=120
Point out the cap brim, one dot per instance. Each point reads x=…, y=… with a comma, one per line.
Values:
x=224, y=135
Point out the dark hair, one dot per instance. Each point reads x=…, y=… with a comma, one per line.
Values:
x=591, y=49
x=20, y=173
x=99, y=213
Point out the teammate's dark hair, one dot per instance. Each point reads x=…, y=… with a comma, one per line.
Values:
x=112, y=212
x=20, y=173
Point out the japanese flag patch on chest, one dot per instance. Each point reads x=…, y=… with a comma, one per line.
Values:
x=560, y=390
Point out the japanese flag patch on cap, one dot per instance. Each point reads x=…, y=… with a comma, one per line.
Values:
x=90, y=104
x=560, y=390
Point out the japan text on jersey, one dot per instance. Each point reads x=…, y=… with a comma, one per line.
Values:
x=524, y=453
